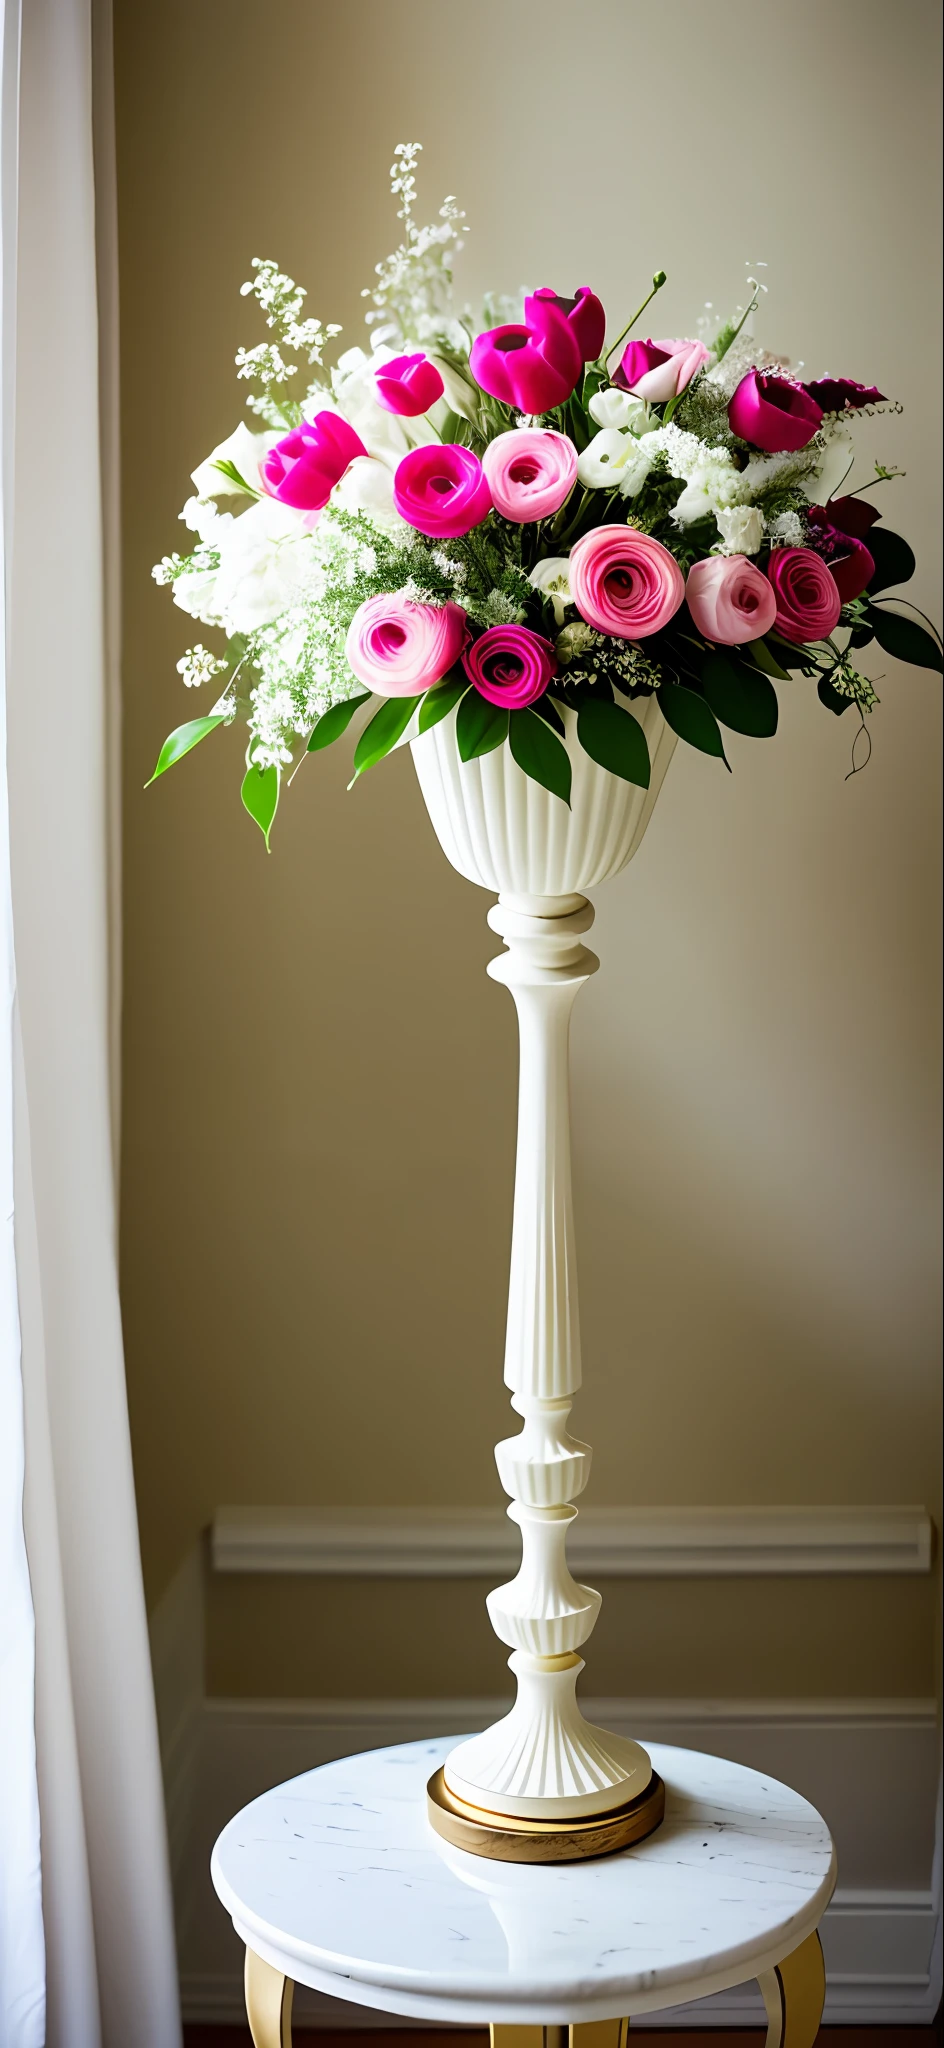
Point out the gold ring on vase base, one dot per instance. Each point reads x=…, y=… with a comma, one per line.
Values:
x=513, y=1840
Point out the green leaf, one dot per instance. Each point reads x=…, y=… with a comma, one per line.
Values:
x=480, y=726
x=689, y=715
x=540, y=754
x=385, y=728
x=831, y=698
x=230, y=471
x=904, y=638
x=179, y=742
x=614, y=739
x=545, y=708
x=334, y=722
x=763, y=659
x=894, y=561
x=439, y=701
x=742, y=699
x=260, y=794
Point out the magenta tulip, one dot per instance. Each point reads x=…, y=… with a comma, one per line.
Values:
x=442, y=490
x=408, y=385
x=843, y=394
x=729, y=600
x=624, y=582
x=659, y=370
x=808, y=602
x=303, y=468
x=530, y=473
x=584, y=315
x=399, y=649
x=773, y=413
x=510, y=665
x=532, y=368
x=846, y=556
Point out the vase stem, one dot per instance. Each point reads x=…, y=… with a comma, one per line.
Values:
x=544, y=1760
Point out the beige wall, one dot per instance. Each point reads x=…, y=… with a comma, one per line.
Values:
x=319, y=1079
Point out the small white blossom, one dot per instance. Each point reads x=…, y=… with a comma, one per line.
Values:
x=741, y=528
x=615, y=461
x=552, y=578
x=786, y=530
x=198, y=666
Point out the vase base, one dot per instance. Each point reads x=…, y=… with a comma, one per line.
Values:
x=542, y=1841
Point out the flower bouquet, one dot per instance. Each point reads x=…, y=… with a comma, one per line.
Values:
x=513, y=522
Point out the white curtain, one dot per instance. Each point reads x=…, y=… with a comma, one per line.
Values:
x=103, y=1948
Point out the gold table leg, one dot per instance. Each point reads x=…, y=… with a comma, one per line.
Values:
x=793, y=1994
x=588, y=2034
x=268, y=2003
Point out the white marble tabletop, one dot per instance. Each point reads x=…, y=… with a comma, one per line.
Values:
x=338, y=1880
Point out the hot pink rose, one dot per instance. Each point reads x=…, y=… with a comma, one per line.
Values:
x=808, y=602
x=408, y=385
x=399, y=648
x=624, y=582
x=530, y=472
x=584, y=316
x=729, y=600
x=773, y=413
x=533, y=367
x=659, y=370
x=303, y=468
x=442, y=490
x=510, y=665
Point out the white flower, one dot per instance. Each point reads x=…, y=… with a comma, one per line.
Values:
x=367, y=486
x=614, y=461
x=245, y=451
x=741, y=528
x=552, y=578
x=195, y=592
x=203, y=518
x=459, y=392
x=612, y=408
x=786, y=530
x=198, y=666
x=267, y=563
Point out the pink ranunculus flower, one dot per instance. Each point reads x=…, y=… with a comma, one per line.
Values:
x=584, y=315
x=442, y=490
x=533, y=367
x=408, y=385
x=530, y=472
x=510, y=665
x=400, y=649
x=730, y=600
x=659, y=370
x=808, y=601
x=624, y=582
x=773, y=413
x=303, y=468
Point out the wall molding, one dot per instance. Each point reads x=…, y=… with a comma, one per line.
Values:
x=459, y=1543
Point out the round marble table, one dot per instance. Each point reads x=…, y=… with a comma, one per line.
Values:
x=336, y=1880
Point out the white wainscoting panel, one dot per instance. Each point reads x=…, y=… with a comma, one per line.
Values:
x=453, y=1543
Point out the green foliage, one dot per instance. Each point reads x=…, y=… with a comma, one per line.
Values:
x=438, y=702
x=540, y=754
x=480, y=726
x=179, y=742
x=260, y=795
x=762, y=658
x=893, y=558
x=689, y=716
x=904, y=638
x=739, y=696
x=386, y=727
x=615, y=740
x=334, y=722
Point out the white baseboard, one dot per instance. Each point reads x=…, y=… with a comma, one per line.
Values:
x=870, y=1765
x=618, y=1542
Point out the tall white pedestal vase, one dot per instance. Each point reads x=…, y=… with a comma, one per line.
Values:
x=543, y=1771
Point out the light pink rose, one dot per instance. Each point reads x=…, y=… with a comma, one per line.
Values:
x=530, y=472
x=659, y=370
x=624, y=582
x=401, y=649
x=729, y=600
